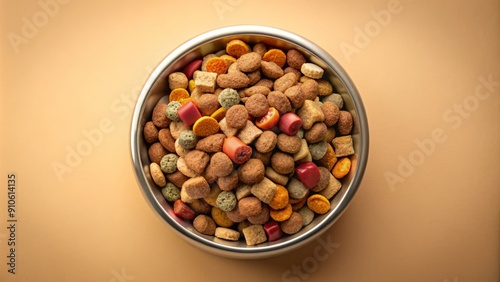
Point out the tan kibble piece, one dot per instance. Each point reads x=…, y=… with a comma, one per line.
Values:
x=235, y=216
x=257, y=89
x=303, y=151
x=177, y=80
x=179, y=150
x=234, y=80
x=182, y=167
x=316, y=133
x=250, y=206
x=260, y=48
x=228, y=183
x=345, y=123
x=200, y=206
x=243, y=191
x=251, y=172
x=237, y=116
x=253, y=77
x=177, y=178
x=265, y=82
x=310, y=113
x=185, y=197
x=295, y=59
x=257, y=105
x=221, y=164
x=293, y=224
x=176, y=128
x=288, y=144
x=282, y=163
x=157, y=175
x=266, y=142
x=343, y=146
x=254, y=235
x=228, y=130
x=227, y=234
x=331, y=111
x=276, y=177
x=332, y=188
x=324, y=179
x=295, y=95
x=196, y=187
x=249, y=133
x=310, y=89
x=212, y=143
x=324, y=87
x=205, y=81
x=261, y=218
x=208, y=104
x=294, y=71
x=264, y=190
x=311, y=70
x=279, y=101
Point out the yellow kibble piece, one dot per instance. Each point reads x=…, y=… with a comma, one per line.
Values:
x=342, y=167
x=318, y=204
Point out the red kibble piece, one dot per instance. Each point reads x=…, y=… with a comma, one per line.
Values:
x=273, y=231
x=191, y=68
x=290, y=123
x=189, y=113
x=181, y=209
x=308, y=173
x=269, y=120
x=236, y=150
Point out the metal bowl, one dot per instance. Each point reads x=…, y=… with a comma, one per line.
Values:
x=210, y=42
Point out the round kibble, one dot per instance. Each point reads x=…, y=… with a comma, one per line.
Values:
x=296, y=189
x=177, y=80
x=266, y=142
x=310, y=89
x=220, y=217
x=295, y=95
x=288, y=144
x=307, y=215
x=176, y=128
x=251, y=172
x=282, y=163
x=331, y=111
x=228, y=183
x=204, y=224
x=271, y=69
x=221, y=164
x=157, y=174
x=317, y=133
x=341, y=167
x=205, y=126
x=150, y=132
x=226, y=201
x=168, y=163
x=235, y=216
x=344, y=124
x=280, y=198
x=334, y=98
x=275, y=55
x=257, y=105
x=197, y=160
x=171, y=192
x=237, y=116
x=265, y=158
x=324, y=179
x=260, y=218
x=250, y=206
x=324, y=87
x=187, y=139
x=318, y=204
x=249, y=62
x=318, y=150
x=279, y=101
x=171, y=110
x=293, y=224
x=208, y=104
x=282, y=214
x=229, y=97
x=200, y=206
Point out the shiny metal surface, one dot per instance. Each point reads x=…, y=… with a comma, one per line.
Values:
x=156, y=87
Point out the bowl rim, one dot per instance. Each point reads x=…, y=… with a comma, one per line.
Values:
x=281, y=35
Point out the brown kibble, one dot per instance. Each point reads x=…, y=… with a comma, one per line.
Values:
x=208, y=104
x=257, y=89
x=200, y=206
x=286, y=81
x=251, y=172
x=265, y=158
x=324, y=87
x=221, y=164
x=316, y=133
x=166, y=139
x=204, y=224
x=260, y=218
x=197, y=160
x=253, y=77
x=271, y=69
x=196, y=187
x=256, y=105
x=260, y=48
x=295, y=95
x=288, y=144
x=331, y=111
x=310, y=89
x=279, y=101
x=330, y=158
x=249, y=206
x=294, y=71
x=150, y=132
x=249, y=62
x=228, y=183
x=235, y=216
x=282, y=163
x=177, y=178
x=344, y=124
x=295, y=59
x=233, y=80
x=220, y=217
x=159, y=117
x=155, y=152
x=293, y=224
x=310, y=113
x=266, y=142
x=237, y=116
x=265, y=82
x=324, y=179
x=212, y=143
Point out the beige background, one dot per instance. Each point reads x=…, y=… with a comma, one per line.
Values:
x=81, y=65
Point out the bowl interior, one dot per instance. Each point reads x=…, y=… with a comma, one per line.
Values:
x=157, y=87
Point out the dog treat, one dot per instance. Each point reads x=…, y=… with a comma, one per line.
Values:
x=251, y=142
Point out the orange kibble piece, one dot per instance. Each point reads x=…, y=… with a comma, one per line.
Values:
x=219, y=114
x=329, y=159
x=282, y=214
x=184, y=101
x=236, y=48
x=216, y=65
x=280, y=198
x=275, y=55
x=342, y=167
x=178, y=93
x=318, y=204
x=191, y=85
x=205, y=126
x=220, y=217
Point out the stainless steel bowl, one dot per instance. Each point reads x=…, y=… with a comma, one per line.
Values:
x=157, y=86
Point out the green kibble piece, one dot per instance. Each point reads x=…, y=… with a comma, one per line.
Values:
x=307, y=215
x=187, y=139
x=168, y=163
x=171, y=192
x=226, y=201
x=318, y=150
x=229, y=97
x=172, y=108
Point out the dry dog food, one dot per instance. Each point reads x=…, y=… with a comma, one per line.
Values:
x=251, y=142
